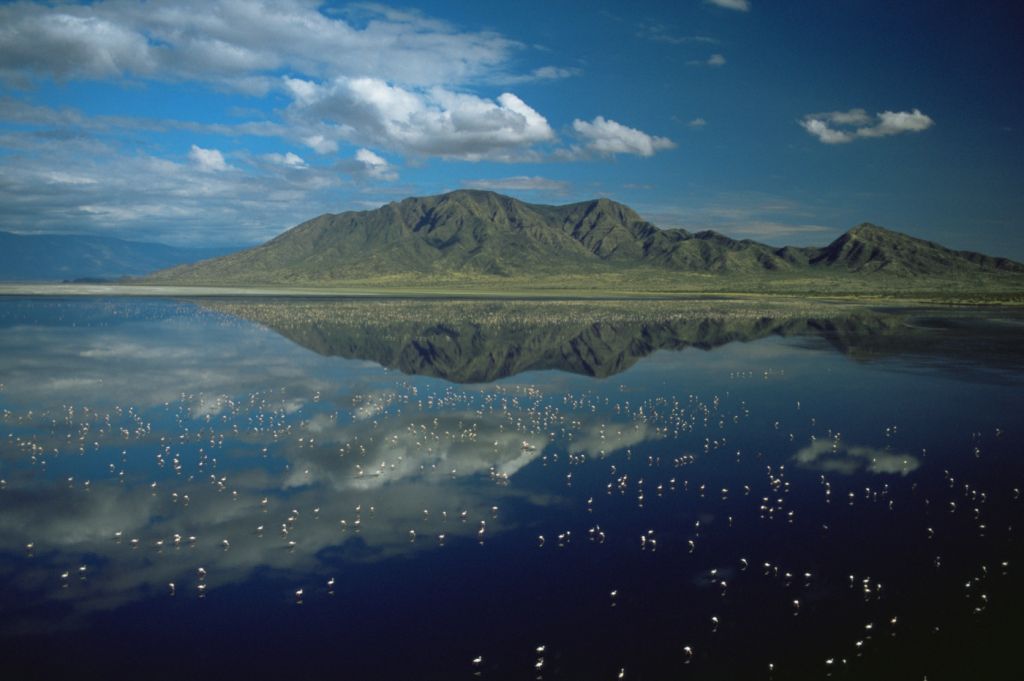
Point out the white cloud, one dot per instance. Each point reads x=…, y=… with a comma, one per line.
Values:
x=840, y=127
x=100, y=189
x=209, y=160
x=820, y=129
x=851, y=117
x=431, y=122
x=716, y=60
x=320, y=144
x=239, y=44
x=375, y=166
x=895, y=122
x=610, y=137
x=519, y=183
x=738, y=5
x=289, y=160
x=697, y=123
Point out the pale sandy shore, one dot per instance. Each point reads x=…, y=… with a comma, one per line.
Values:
x=33, y=289
x=159, y=291
x=9, y=289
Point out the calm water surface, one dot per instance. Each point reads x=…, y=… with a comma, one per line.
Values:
x=429, y=490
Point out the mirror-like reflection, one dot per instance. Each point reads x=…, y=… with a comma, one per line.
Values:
x=173, y=474
x=479, y=341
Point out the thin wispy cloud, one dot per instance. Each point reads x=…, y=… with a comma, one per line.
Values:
x=738, y=5
x=841, y=127
x=660, y=33
x=519, y=183
x=540, y=74
x=745, y=215
x=289, y=159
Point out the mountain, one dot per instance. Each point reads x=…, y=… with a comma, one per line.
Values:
x=869, y=248
x=60, y=257
x=469, y=234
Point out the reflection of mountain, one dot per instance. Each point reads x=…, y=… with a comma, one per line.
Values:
x=484, y=341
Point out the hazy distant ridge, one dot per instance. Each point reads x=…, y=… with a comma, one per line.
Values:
x=59, y=257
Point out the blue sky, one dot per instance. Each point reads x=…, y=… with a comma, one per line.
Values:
x=225, y=122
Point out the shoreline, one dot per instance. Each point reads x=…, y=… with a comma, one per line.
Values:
x=50, y=290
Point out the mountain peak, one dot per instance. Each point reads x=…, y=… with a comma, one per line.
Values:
x=868, y=230
x=469, y=194
x=470, y=233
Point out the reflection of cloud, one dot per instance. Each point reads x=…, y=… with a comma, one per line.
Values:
x=365, y=455
x=598, y=440
x=233, y=421
x=70, y=527
x=47, y=366
x=848, y=460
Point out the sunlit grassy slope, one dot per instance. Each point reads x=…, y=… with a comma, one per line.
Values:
x=481, y=241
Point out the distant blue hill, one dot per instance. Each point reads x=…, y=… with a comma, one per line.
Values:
x=64, y=257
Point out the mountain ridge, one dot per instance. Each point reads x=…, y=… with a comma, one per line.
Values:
x=469, y=233
x=61, y=257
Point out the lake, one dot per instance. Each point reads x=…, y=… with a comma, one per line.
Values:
x=428, y=489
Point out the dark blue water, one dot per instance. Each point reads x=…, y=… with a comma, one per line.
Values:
x=655, y=491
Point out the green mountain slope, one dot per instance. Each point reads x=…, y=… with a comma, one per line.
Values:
x=470, y=235
x=870, y=248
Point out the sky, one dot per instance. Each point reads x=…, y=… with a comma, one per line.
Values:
x=226, y=122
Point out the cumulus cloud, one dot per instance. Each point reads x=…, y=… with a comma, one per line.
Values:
x=738, y=5
x=840, y=127
x=716, y=60
x=697, y=123
x=208, y=160
x=610, y=137
x=375, y=166
x=239, y=44
x=823, y=132
x=435, y=121
x=519, y=183
x=895, y=122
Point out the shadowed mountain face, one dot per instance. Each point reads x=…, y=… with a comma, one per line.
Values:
x=477, y=233
x=473, y=342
